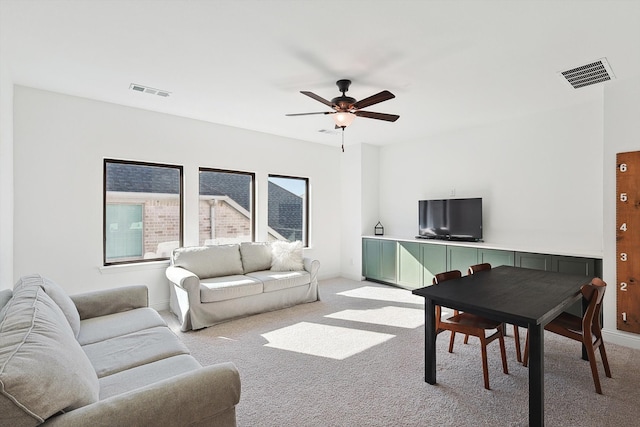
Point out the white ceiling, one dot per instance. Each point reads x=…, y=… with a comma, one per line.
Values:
x=242, y=63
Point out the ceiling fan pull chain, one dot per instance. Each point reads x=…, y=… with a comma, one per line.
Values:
x=343, y=138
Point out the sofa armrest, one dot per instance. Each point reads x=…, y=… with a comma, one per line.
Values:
x=197, y=397
x=109, y=301
x=312, y=266
x=183, y=278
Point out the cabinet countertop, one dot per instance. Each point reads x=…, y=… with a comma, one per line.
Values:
x=500, y=247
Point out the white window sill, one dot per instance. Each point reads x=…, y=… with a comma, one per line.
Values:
x=137, y=266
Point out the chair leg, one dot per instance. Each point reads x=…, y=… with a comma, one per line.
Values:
x=516, y=336
x=605, y=361
x=451, y=341
x=485, y=364
x=603, y=355
x=503, y=353
x=466, y=338
x=594, y=367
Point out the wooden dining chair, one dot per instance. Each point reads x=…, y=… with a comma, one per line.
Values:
x=470, y=324
x=516, y=331
x=585, y=329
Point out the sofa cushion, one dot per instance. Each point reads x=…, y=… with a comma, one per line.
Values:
x=146, y=374
x=286, y=256
x=228, y=287
x=135, y=349
x=57, y=294
x=256, y=256
x=278, y=280
x=43, y=370
x=209, y=261
x=113, y=325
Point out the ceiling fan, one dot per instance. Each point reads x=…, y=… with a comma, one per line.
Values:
x=346, y=108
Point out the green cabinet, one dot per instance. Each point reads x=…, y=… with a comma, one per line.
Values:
x=461, y=258
x=496, y=257
x=434, y=261
x=573, y=265
x=409, y=265
x=379, y=260
x=413, y=265
x=534, y=261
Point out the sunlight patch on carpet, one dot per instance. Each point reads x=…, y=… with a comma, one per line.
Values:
x=332, y=342
x=384, y=294
x=399, y=317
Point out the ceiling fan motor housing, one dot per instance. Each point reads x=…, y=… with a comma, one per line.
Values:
x=343, y=103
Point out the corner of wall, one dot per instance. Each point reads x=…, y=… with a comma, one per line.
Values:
x=6, y=177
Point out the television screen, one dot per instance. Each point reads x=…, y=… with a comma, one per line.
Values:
x=450, y=219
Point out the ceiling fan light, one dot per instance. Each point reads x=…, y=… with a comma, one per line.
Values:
x=343, y=119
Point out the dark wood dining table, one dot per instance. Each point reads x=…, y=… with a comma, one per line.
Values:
x=520, y=296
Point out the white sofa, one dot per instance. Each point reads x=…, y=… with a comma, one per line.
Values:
x=102, y=358
x=213, y=284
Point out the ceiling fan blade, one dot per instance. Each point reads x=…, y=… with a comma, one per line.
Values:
x=317, y=98
x=377, y=116
x=308, y=114
x=374, y=99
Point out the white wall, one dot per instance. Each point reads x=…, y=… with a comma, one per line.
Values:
x=350, y=219
x=6, y=177
x=621, y=134
x=540, y=178
x=359, y=190
x=59, y=147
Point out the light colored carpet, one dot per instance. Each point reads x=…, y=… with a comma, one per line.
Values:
x=356, y=358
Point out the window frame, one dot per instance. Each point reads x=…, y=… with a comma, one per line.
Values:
x=252, y=197
x=306, y=206
x=104, y=209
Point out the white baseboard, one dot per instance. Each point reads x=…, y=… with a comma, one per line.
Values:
x=621, y=338
x=160, y=306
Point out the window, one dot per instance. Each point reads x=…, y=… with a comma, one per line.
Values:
x=288, y=216
x=226, y=207
x=142, y=211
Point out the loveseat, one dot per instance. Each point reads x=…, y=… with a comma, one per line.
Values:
x=213, y=284
x=102, y=359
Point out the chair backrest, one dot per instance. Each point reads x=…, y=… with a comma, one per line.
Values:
x=594, y=294
x=479, y=267
x=447, y=275
x=439, y=278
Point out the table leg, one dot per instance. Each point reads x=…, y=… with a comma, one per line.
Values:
x=429, y=341
x=536, y=375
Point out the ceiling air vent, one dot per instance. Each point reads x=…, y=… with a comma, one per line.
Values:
x=596, y=72
x=149, y=90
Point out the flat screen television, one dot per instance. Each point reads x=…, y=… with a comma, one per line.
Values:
x=450, y=219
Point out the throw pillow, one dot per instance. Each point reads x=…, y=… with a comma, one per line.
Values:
x=255, y=256
x=286, y=256
x=57, y=294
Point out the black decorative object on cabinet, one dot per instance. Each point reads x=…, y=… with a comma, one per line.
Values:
x=378, y=229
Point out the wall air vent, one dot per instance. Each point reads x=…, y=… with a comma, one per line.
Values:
x=596, y=72
x=329, y=131
x=149, y=90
